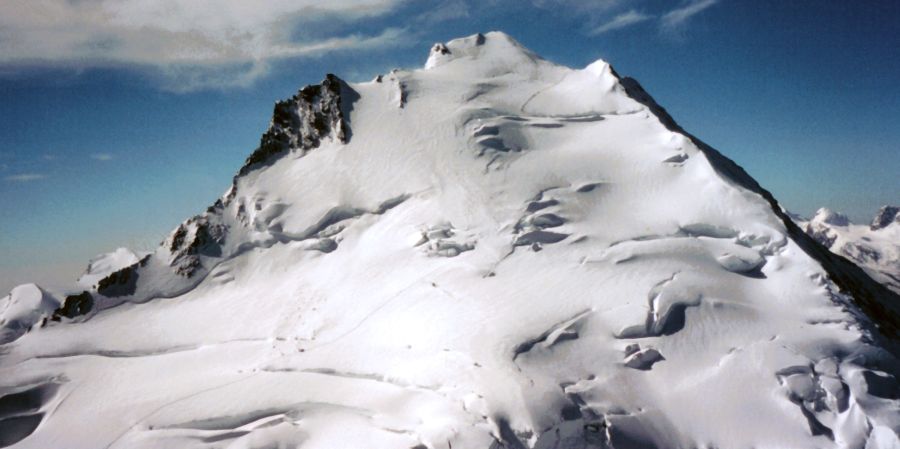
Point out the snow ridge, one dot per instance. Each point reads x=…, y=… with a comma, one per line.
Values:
x=876, y=301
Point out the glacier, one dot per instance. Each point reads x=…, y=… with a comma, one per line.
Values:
x=493, y=251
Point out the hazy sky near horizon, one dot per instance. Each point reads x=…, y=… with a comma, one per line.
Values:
x=119, y=119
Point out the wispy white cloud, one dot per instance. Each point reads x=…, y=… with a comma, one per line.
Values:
x=25, y=177
x=102, y=157
x=214, y=42
x=621, y=21
x=678, y=17
x=454, y=9
x=579, y=6
x=49, y=157
x=604, y=16
x=191, y=77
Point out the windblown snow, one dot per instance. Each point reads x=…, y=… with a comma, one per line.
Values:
x=494, y=251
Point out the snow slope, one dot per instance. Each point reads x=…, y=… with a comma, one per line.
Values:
x=874, y=247
x=494, y=251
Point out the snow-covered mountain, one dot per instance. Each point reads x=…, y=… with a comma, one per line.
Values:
x=874, y=247
x=493, y=251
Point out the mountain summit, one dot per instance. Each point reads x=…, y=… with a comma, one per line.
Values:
x=494, y=251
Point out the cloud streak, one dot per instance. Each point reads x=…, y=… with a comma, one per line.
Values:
x=678, y=17
x=25, y=177
x=102, y=157
x=208, y=42
x=451, y=10
x=579, y=7
x=621, y=21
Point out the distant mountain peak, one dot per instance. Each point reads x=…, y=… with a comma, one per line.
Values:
x=487, y=54
x=886, y=216
x=826, y=215
x=875, y=248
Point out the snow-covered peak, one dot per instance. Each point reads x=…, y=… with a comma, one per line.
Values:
x=875, y=248
x=886, y=216
x=484, y=55
x=828, y=216
x=493, y=251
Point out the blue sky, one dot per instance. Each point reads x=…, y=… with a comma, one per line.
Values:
x=119, y=119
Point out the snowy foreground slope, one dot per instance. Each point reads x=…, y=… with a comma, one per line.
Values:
x=491, y=252
x=874, y=247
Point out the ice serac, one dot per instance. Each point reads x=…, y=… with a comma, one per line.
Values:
x=508, y=253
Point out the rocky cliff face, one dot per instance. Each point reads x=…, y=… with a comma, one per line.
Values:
x=302, y=121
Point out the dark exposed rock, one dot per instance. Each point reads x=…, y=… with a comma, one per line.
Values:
x=202, y=235
x=207, y=239
x=440, y=48
x=885, y=216
x=74, y=305
x=302, y=121
x=216, y=207
x=187, y=266
x=178, y=238
x=122, y=282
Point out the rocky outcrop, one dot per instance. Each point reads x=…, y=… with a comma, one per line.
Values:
x=74, y=305
x=299, y=123
x=302, y=121
x=885, y=217
x=202, y=235
x=122, y=282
